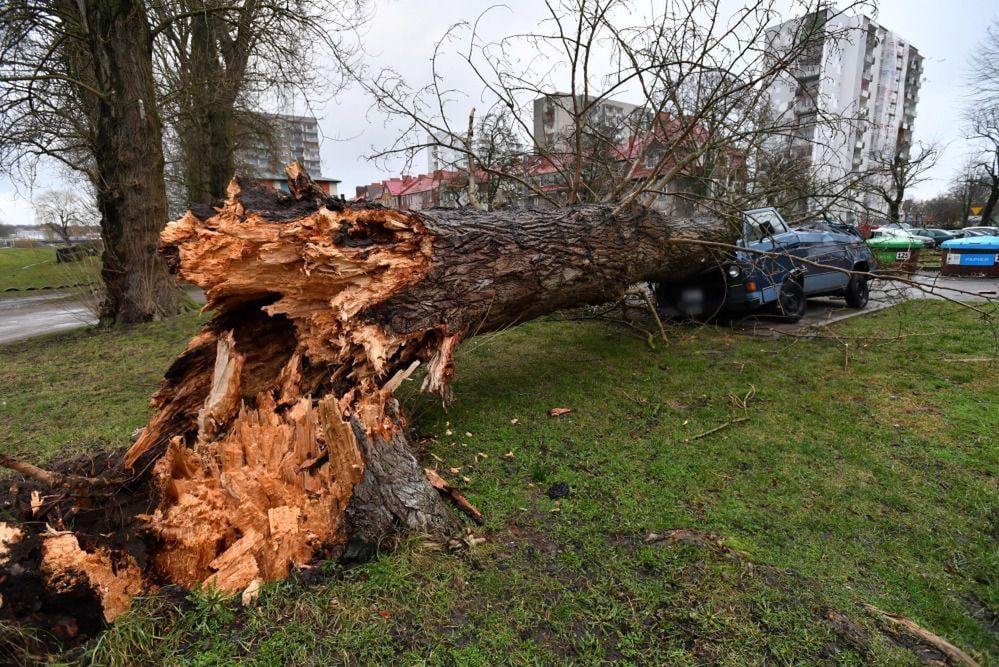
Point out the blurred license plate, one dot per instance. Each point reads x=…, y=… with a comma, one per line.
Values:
x=692, y=295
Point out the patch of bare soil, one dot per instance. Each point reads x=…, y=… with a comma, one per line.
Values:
x=103, y=518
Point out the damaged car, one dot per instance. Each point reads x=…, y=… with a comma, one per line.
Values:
x=774, y=271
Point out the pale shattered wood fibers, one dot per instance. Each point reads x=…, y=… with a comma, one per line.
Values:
x=265, y=484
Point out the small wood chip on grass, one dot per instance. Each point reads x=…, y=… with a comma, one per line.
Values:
x=558, y=412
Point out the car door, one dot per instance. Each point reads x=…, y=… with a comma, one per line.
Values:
x=825, y=257
x=771, y=244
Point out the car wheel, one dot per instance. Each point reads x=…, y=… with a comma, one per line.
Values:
x=791, y=301
x=857, y=292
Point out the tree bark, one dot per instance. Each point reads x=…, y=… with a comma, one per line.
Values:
x=894, y=208
x=276, y=437
x=993, y=198
x=207, y=121
x=128, y=160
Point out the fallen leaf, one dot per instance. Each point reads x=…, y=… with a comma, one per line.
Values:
x=508, y=455
x=447, y=432
x=455, y=471
x=384, y=613
x=558, y=412
x=466, y=480
x=467, y=434
x=514, y=421
x=36, y=502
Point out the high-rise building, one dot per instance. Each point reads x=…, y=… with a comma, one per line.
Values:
x=554, y=122
x=863, y=74
x=445, y=152
x=294, y=138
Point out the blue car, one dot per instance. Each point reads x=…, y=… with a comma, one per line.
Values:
x=776, y=271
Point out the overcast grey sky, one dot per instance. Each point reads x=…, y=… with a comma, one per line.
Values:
x=402, y=34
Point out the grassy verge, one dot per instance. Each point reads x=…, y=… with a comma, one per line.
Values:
x=85, y=389
x=861, y=474
x=34, y=268
x=929, y=258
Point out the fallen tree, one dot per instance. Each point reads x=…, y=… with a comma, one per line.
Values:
x=276, y=437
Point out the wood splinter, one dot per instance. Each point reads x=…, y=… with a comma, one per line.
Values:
x=457, y=496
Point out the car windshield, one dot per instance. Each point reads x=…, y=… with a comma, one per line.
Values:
x=762, y=224
x=828, y=225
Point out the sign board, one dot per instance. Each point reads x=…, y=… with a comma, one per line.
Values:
x=972, y=259
x=977, y=210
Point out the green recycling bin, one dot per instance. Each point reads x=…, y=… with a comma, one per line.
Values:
x=896, y=253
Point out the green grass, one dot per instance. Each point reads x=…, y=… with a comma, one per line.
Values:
x=860, y=477
x=34, y=268
x=929, y=258
x=87, y=389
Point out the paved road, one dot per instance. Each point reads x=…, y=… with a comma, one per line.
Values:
x=46, y=312
x=42, y=312
x=824, y=311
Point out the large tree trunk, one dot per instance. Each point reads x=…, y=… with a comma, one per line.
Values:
x=894, y=210
x=207, y=118
x=128, y=157
x=993, y=198
x=277, y=438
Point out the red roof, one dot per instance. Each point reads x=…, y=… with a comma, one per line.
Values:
x=428, y=182
x=396, y=186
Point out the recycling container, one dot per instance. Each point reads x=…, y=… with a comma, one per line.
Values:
x=973, y=256
x=896, y=253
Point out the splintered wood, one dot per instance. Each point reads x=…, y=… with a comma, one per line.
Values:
x=276, y=437
x=244, y=507
x=260, y=479
x=67, y=567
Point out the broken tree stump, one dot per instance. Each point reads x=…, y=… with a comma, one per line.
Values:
x=276, y=437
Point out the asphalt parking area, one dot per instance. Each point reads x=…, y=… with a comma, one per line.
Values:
x=884, y=293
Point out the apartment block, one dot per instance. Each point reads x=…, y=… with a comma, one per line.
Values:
x=554, y=119
x=295, y=138
x=863, y=74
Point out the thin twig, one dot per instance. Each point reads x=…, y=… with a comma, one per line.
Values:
x=737, y=420
x=902, y=624
x=638, y=291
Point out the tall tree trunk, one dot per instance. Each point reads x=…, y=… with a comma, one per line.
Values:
x=993, y=199
x=276, y=436
x=128, y=156
x=894, y=208
x=208, y=119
